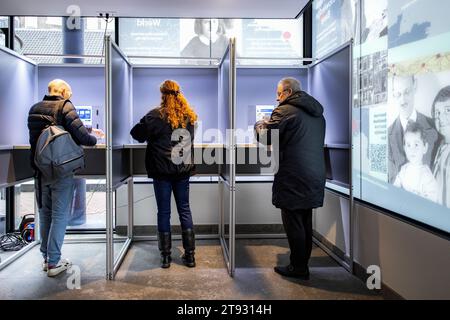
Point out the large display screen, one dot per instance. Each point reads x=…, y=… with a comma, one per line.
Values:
x=208, y=38
x=401, y=118
x=401, y=100
x=333, y=24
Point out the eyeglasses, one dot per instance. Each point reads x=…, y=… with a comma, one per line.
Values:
x=405, y=93
x=280, y=93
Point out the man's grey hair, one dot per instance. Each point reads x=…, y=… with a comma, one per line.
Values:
x=291, y=83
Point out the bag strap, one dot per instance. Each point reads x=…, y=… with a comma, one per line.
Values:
x=39, y=191
x=59, y=112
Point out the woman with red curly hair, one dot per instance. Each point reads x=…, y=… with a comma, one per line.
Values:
x=169, y=133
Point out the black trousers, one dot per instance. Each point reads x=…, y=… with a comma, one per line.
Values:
x=298, y=227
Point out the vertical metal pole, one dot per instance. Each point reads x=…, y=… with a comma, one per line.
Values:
x=233, y=155
x=130, y=208
x=10, y=210
x=109, y=182
x=37, y=226
x=221, y=220
x=219, y=181
x=131, y=181
x=351, y=204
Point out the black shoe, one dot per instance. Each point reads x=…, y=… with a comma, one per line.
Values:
x=189, y=248
x=291, y=272
x=165, y=245
x=189, y=259
x=165, y=261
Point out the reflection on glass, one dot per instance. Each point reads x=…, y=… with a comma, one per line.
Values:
x=24, y=198
x=89, y=206
x=44, y=35
x=2, y=211
x=208, y=38
x=120, y=218
x=3, y=30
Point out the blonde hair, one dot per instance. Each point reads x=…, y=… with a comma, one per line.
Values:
x=174, y=106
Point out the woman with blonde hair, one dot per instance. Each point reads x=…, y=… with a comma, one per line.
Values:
x=169, y=133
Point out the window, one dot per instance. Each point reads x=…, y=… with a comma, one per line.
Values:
x=3, y=30
x=41, y=36
x=94, y=33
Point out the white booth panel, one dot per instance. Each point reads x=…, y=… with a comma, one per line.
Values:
x=332, y=221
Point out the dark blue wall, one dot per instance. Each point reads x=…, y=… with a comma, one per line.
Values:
x=330, y=85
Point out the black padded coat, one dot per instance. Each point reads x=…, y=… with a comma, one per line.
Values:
x=162, y=146
x=41, y=115
x=300, y=180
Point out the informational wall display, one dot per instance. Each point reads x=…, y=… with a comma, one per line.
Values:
x=378, y=146
x=208, y=38
x=402, y=108
x=156, y=37
x=270, y=38
x=333, y=24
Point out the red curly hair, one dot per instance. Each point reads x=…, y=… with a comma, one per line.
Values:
x=174, y=106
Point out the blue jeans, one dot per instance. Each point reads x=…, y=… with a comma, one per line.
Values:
x=57, y=201
x=163, y=193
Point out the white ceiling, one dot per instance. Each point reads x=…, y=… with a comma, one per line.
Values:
x=158, y=8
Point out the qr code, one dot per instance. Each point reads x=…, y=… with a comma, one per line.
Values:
x=378, y=158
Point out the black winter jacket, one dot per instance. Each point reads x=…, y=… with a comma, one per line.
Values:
x=157, y=132
x=300, y=180
x=41, y=115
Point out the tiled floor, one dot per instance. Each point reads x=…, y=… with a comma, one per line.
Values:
x=141, y=278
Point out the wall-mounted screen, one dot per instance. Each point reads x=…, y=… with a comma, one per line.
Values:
x=402, y=111
x=334, y=23
x=85, y=114
x=263, y=112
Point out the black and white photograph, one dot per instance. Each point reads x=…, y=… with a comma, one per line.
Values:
x=418, y=156
x=209, y=41
x=373, y=24
x=374, y=76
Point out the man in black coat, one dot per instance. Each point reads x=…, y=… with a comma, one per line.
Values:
x=299, y=184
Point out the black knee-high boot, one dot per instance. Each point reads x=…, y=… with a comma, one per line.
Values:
x=189, y=247
x=165, y=245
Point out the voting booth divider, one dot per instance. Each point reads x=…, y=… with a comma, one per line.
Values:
x=226, y=96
